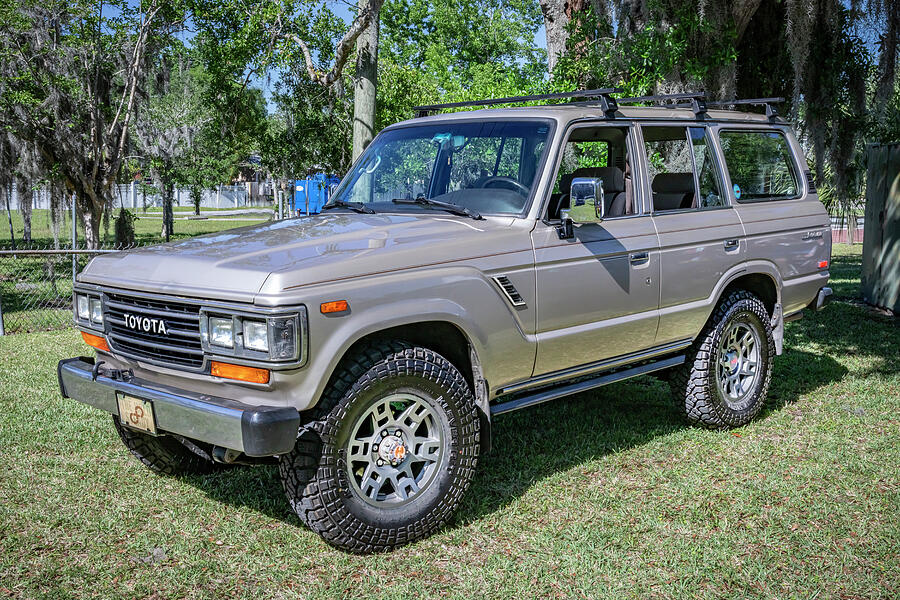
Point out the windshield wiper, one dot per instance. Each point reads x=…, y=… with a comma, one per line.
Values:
x=354, y=206
x=455, y=209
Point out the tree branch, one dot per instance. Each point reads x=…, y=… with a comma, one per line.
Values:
x=342, y=49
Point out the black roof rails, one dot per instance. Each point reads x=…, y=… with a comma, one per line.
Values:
x=607, y=102
x=697, y=101
x=662, y=98
x=771, y=111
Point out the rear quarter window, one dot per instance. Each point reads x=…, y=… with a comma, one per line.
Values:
x=760, y=165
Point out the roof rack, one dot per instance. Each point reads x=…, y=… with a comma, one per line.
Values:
x=696, y=101
x=607, y=102
x=771, y=111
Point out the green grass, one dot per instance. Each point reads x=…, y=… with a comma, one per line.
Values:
x=147, y=230
x=181, y=211
x=607, y=494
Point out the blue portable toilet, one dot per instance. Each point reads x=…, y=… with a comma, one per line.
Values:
x=312, y=193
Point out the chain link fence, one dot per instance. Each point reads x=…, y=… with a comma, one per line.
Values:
x=36, y=286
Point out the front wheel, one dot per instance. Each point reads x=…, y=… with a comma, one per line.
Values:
x=389, y=461
x=167, y=454
x=726, y=375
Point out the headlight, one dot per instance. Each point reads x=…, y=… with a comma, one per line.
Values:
x=96, y=311
x=256, y=335
x=83, y=307
x=88, y=310
x=221, y=331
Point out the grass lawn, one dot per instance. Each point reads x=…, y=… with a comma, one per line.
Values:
x=607, y=494
x=147, y=230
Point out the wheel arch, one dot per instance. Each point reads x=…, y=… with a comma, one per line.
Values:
x=759, y=283
x=449, y=340
x=762, y=279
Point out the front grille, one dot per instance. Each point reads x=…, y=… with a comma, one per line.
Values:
x=179, y=346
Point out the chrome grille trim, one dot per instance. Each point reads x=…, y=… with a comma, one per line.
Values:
x=180, y=349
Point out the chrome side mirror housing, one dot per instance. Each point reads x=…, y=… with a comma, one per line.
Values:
x=585, y=206
x=586, y=200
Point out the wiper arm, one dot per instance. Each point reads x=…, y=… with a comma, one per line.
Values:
x=354, y=206
x=455, y=209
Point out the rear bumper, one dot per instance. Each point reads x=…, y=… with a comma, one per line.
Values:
x=822, y=298
x=253, y=430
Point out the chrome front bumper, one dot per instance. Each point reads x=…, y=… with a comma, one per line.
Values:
x=253, y=430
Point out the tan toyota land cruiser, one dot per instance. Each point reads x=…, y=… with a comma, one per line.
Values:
x=469, y=264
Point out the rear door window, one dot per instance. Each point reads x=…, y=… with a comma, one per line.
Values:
x=760, y=165
x=681, y=167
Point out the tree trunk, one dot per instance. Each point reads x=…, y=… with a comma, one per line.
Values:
x=556, y=18
x=168, y=193
x=91, y=218
x=26, y=197
x=365, y=85
x=56, y=207
x=196, y=193
x=742, y=11
x=12, y=237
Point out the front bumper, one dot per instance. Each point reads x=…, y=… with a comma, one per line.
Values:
x=253, y=430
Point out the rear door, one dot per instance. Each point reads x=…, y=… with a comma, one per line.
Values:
x=700, y=233
x=786, y=224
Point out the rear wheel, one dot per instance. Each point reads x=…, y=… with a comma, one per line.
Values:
x=389, y=461
x=167, y=454
x=726, y=376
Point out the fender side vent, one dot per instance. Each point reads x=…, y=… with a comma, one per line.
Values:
x=512, y=294
x=811, y=182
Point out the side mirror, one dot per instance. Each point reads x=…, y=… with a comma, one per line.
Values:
x=586, y=200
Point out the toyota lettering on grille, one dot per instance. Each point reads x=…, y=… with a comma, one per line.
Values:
x=145, y=324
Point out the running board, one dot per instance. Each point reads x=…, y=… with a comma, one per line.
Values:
x=545, y=395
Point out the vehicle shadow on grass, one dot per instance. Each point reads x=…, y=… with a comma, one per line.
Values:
x=536, y=443
x=539, y=442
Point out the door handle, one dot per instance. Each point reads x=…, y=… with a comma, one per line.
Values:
x=732, y=244
x=639, y=258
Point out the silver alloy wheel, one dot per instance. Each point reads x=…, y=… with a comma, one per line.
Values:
x=738, y=362
x=394, y=451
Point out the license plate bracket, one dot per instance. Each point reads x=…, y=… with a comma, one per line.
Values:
x=136, y=413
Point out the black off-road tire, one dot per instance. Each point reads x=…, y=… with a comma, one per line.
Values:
x=167, y=454
x=695, y=382
x=314, y=473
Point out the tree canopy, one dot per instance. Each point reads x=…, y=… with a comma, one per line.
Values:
x=88, y=88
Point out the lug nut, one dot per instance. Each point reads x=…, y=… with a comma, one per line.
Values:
x=379, y=462
x=398, y=433
x=384, y=433
x=374, y=447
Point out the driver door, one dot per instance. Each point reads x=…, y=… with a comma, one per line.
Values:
x=598, y=292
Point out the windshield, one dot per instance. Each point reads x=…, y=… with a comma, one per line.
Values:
x=487, y=166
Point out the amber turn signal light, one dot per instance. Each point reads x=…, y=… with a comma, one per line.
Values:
x=95, y=341
x=239, y=372
x=334, y=307
x=823, y=264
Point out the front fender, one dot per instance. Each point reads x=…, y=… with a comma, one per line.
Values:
x=462, y=296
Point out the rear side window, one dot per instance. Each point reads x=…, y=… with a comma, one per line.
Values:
x=760, y=165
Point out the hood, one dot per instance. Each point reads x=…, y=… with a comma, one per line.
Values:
x=239, y=263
